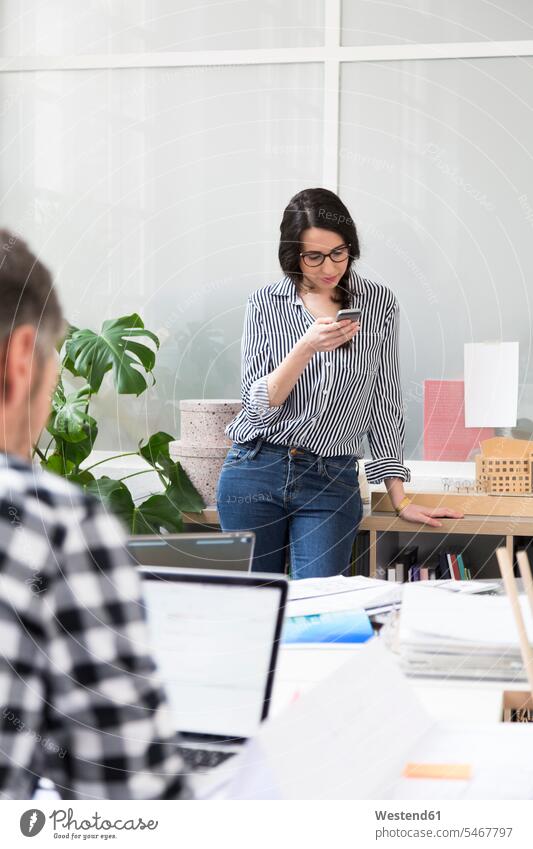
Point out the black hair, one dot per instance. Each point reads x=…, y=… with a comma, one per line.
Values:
x=316, y=208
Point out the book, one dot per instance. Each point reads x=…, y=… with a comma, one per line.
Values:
x=455, y=567
x=443, y=571
x=391, y=573
x=424, y=573
x=462, y=569
x=361, y=555
x=400, y=572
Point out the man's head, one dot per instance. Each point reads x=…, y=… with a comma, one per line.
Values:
x=31, y=323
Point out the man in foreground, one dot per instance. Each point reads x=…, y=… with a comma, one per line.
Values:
x=80, y=701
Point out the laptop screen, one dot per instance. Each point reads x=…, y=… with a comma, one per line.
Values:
x=214, y=640
x=231, y=551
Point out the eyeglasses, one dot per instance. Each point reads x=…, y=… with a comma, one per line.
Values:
x=315, y=258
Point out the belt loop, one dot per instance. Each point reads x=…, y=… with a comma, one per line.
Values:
x=321, y=465
x=257, y=447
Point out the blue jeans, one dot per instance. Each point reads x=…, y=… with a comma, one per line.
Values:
x=291, y=497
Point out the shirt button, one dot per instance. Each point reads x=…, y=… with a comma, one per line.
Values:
x=325, y=392
x=328, y=363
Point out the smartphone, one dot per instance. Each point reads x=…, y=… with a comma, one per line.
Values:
x=353, y=315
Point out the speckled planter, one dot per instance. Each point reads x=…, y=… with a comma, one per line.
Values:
x=203, y=445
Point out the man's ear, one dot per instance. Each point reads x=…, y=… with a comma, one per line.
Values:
x=17, y=364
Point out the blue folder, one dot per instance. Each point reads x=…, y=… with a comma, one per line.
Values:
x=344, y=626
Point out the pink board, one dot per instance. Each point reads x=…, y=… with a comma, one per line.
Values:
x=445, y=434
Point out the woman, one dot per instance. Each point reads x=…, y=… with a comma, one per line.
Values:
x=312, y=387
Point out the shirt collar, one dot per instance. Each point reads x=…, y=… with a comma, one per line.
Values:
x=13, y=461
x=286, y=289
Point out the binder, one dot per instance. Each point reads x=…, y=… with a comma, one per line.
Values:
x=443, y=571
x=400, y=572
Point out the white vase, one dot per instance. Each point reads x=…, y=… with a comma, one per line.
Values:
x=203, y=444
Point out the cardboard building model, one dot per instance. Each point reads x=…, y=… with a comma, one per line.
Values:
x=504, y=466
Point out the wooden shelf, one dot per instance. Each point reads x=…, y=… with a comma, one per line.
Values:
x=487, y=525
x=378, y=525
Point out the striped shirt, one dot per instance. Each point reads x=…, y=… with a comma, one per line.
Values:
x=341, y=396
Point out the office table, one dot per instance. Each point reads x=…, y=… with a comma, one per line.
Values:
x=300, y=667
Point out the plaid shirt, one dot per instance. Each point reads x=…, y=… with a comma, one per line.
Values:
x=81, y=703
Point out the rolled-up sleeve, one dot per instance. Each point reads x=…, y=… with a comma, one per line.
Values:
x=256, y=366
x=387, y=428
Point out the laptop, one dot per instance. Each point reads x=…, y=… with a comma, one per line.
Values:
x=233, y=551
x=214, y=636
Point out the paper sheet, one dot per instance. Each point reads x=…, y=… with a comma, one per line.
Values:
x=342, y=740
x=460, y=618
x=311, y=587
x=364, y=599
x=491, y=384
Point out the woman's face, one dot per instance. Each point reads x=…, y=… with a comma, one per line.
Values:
x=317, y=241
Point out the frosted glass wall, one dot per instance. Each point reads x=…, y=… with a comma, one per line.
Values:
x=160, y=189
x=366, y=22
x=436, y=165
x=31, y=27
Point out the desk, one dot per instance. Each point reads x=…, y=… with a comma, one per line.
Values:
x=300, y=667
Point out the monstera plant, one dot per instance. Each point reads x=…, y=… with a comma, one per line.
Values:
x=121, y=348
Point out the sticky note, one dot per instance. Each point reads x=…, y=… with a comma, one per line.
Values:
x=454, y=772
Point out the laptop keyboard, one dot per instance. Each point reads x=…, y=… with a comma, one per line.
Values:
x=203, y=758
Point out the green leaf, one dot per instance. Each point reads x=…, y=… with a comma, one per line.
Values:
x=115, y=496
x=156, y=450
x=94, y=354
x=61, y=465
x=66, y=362
x=76, y=452
x=69, y=419
x=81, y=477
x=57, y=464
x=73, y=452
x=155, y=513
x=182, y=492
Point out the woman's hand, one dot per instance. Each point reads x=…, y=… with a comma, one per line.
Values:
x=326, y=334
x=419, y=514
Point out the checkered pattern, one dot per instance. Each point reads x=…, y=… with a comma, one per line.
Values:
x=80, y=702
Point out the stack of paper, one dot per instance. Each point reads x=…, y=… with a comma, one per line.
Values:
x=329, y=595
x=459, y=635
